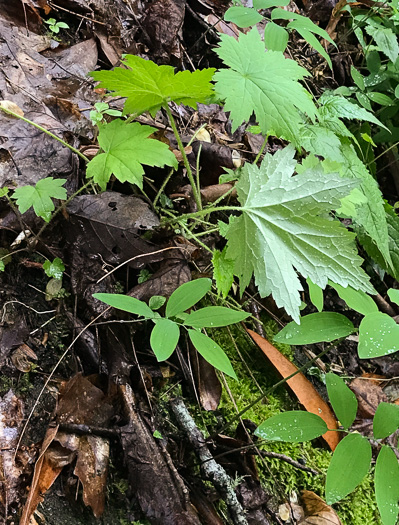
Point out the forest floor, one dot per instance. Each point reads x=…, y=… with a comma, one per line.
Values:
x=96, y=428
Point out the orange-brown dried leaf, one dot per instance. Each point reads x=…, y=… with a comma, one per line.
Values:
x=317, y=512
x=302, y=388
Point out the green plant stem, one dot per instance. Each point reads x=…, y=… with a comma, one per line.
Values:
x=163, y=186
x=383, y=153
x=44, y=130
x=201, y=213
x=238, y=416
x=197, y=197
x=197, y=170
x=261, y=150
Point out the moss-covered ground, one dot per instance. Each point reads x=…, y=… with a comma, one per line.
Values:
x=279, y=477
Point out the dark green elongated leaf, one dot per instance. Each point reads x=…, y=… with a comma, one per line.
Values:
x=378, y=336
x=316, y=328
x=242, y=16
x=126, y=303
x=211, y=352
x=348, y=466
x=294, y=426
x=276, y=37
x=355, y=299
x=386, y=485
x=316, y=294
x=164, y=338
x=186, y=296
x=214, y=316
x=394, y=295
x=342, y=399
x=386, y=420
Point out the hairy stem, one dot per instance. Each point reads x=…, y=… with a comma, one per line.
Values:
x=197, y=197
x=44, y=130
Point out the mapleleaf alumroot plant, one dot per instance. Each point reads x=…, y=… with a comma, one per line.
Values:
x=287, y=218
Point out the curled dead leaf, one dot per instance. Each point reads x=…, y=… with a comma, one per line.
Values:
x=317, y=512
x=302, y=388
x=21, y=358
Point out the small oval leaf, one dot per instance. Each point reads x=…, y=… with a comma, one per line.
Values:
x=276, y=37
x=342, y=398
x=394, y=294
x=164, y=338
x=316, y=328
x=378, y=336
x=214, y=316
x=316, y=295
x=386, y=485
x=294, y=426
x=355, y=299
x=211, y=352
x=242, y=16
x=386, y=420
x=186, y=296
x=125, y=303
x=348, y=466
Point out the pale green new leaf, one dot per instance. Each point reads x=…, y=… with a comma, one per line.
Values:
x=148, y=86
x=126, y=148
x=223, y=271
x=285, y=226
x=355, y=299
x=262, y=82
x=316, y=295
x=40, y=196
x=276, y=37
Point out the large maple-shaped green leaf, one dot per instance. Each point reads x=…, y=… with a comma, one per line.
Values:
x=285, y=226
x=126, y=147
x=262, y=82
x=148, y=86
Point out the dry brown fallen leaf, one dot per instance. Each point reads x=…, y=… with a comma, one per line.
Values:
x=317, y=512
x=302, y=388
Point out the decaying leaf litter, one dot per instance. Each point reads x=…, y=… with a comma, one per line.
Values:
x=105, y=402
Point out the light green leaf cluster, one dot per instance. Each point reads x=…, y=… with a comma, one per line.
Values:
x=285, y=226
x=54, y=269
x=148, y=87
x=126, y=147
x=40, y=196
x=166, y=332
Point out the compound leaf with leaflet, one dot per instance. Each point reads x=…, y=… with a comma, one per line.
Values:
x=148, y=86
x=126, y=148
x=262, y=82
x=285, y=226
